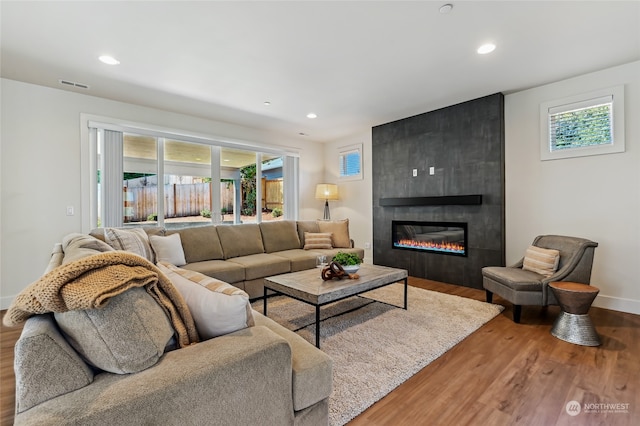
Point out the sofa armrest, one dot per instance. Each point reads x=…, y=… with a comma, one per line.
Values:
x=240, y=378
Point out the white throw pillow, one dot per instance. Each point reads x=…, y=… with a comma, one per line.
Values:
x=168, y=249
x=217, y=307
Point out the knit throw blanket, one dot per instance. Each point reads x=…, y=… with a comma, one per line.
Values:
x=90, y=282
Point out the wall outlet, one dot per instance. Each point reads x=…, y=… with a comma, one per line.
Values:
x=415, y=172
x=70, y=211
x=432, y=170
x=367, y=246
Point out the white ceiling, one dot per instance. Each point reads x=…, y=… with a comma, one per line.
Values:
x=356, y=64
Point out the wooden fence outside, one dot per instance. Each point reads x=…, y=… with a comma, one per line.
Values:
x=181, y=200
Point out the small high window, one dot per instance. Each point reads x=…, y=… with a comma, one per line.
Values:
x=588, y=124
x=350, y=162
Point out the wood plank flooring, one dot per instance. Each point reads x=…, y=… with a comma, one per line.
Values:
x=503, y=374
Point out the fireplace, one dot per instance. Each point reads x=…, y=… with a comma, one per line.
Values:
x=430, y=237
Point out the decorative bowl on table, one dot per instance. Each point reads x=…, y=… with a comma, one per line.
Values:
x=351, y=269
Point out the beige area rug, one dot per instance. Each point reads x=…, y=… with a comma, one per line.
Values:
x=376, y=347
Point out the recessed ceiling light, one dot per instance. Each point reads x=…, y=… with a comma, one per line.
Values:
x=446, y=8
x=109, y=60
x=486, y=48
x=267, y=103
x=226, y=159
x=312, y=115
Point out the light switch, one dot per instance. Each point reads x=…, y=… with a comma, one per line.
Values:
x=415, y=172
x=70, y=211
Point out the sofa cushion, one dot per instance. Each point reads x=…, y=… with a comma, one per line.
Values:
x=168, y=249
x=306, y=226
x=312, y=377
x=300, y=259
x=45, y=365
x=76, y=246
x=134, y=240
x=317, y=240
x=127, y=335
x=221, y=269
x=262, y=265
x=541, y=261
x=200, y=243
x=515, y=278
x=279, y=235
x=339, y=230
x=240, y=240
x=217, y=307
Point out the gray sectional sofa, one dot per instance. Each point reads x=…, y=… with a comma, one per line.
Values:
x=262, y=374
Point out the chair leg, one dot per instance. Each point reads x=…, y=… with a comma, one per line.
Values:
x=517, y=310
x=489, y=296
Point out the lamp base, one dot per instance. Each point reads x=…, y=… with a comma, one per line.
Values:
x=327, y=214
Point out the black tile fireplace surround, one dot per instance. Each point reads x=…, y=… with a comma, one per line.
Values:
x=445, y=165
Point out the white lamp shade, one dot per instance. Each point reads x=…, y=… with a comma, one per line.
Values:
x=327, y=191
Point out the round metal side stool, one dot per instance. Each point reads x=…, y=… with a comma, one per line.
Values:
x=573, y=325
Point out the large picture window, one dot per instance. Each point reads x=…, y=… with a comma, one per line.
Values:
x=149, y=177
x=588, y=124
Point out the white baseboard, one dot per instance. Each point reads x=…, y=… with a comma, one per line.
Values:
x=5, y=301
x=617, y=304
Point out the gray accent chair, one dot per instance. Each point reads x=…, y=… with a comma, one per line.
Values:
x=523, y=287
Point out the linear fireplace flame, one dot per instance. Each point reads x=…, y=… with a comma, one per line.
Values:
x=434, y=237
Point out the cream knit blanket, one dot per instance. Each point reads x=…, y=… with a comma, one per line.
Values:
x=90, y=282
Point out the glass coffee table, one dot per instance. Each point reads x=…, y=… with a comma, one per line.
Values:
x=309, y=287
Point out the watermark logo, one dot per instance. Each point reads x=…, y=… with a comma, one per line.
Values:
x=573, y=408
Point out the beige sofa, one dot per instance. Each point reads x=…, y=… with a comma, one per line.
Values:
x=243, y=255
x=264, y=374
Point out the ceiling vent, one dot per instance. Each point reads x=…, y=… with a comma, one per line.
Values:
x=73, y=84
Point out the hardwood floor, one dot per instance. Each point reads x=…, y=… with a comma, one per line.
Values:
x=503, y=374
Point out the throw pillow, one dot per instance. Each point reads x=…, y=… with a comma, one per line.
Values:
x=217, y=307
x=317, y=240
x=168, y=249
x=306, y=226
x=134, y=240
x=127, y=335
x=339, y=230
x=540, y=260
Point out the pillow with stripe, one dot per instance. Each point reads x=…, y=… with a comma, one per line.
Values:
x=540, y=260
x=317, y=240
x=217, y=307
x=134, y=240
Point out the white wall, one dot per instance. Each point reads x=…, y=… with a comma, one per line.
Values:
x=595, y=197
x=40, y=169
x=355, y=201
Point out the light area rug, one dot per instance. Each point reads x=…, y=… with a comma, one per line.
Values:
x=375, y=346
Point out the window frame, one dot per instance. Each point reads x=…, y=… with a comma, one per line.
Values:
x=343, y=152
x=570, y=103
x=89, y=166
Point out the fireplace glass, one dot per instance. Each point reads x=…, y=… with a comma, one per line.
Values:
x=432, y=237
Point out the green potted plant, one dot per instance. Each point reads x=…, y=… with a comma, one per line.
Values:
x=350, y=262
